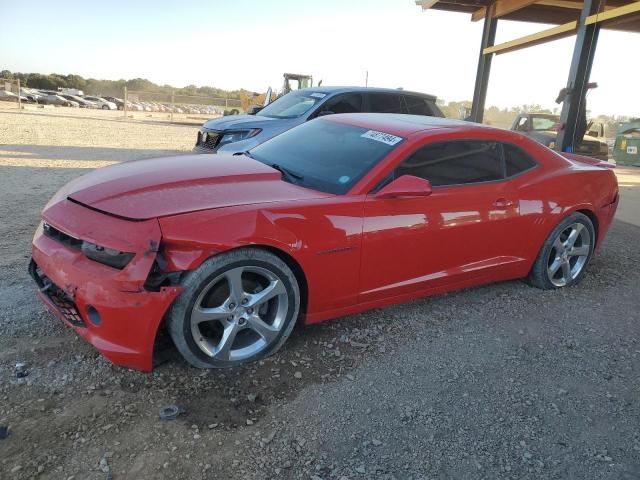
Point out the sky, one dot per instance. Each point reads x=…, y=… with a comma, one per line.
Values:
x=250, y=44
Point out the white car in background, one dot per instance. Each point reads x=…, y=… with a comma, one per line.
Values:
x=102, y=103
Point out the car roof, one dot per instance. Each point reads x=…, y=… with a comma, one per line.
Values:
x=338, y=89
x=400, y=124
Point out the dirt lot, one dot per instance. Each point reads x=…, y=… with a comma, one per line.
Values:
x=502, y=381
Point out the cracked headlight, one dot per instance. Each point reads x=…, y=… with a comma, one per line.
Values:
x=106, y=256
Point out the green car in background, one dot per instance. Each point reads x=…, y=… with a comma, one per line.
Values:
x=626, y=150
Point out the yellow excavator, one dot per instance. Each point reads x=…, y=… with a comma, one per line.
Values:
x=304, y=81
x=253, y=101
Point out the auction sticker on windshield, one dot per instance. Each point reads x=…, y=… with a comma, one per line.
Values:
x=381, y=137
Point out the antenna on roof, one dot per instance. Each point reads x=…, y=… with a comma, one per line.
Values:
x=366, y=79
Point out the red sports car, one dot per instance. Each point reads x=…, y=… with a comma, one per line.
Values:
x=341, y=214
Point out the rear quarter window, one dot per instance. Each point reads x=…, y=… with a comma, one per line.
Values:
x=516, y=160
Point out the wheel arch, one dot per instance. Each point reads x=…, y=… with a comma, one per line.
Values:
x=283, y=255
x=590, y=214
x=548, y=228
x=297, y=270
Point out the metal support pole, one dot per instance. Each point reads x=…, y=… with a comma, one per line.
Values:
x=19, y=96
x=124, y=109
x=574, y=102
x=484, y=65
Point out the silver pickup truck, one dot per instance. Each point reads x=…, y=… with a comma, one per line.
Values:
x=543, y=127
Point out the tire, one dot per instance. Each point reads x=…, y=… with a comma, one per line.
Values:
x=216, y=325
x=105, y=107
x=565, y=254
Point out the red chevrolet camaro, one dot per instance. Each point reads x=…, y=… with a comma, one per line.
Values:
x=341, y=214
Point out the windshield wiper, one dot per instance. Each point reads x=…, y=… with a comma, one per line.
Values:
x=290, y=176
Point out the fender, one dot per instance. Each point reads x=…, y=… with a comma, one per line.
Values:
x=325, y=245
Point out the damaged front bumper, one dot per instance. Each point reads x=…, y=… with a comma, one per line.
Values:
x=108, y=307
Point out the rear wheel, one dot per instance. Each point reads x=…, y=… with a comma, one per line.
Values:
x=105, y=107
x=237, y=307
x=565, y=254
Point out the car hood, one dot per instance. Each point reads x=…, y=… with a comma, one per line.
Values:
x=231, y=122
x=160, y=187
x=589, y=138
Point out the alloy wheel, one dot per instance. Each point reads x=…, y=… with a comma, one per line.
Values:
x=239, y=313
x=569, y=254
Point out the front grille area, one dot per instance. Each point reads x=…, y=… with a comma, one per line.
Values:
x=61, y=237
x=209, y=140
x=63, y=303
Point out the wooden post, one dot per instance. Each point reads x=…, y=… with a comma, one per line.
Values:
x=19, y=96
x=173, y=105
x=124, y=109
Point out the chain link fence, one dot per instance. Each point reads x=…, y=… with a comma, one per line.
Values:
x=177, y=107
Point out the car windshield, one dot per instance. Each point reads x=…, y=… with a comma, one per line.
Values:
x=292, y=105
x=325, y=155
x=544, y=123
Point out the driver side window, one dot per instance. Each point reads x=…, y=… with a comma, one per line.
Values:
x=349, y=103
x=455, y=163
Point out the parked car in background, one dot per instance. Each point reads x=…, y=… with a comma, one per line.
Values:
x=237, y=133
x=335, y=216
x=102, y=103
x=118, y=101
x=543, y=127
x=80, y=101
x=31, y=95
x=57, y=100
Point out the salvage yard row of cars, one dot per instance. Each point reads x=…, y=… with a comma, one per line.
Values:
x=63, y=99
x=321, y=205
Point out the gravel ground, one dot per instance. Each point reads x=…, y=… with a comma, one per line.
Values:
x=498, y=382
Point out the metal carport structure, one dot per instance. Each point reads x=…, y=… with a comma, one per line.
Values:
x=584, y=19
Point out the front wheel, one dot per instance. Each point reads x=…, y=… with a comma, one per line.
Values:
x=237, y=307
x=565, y=254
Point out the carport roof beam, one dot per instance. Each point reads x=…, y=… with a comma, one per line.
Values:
x=548, y=35
x=565, y=30
x=502, y=8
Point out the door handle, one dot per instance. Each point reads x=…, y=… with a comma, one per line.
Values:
x=502, y=203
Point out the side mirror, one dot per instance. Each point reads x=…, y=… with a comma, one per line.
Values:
x=405, y=186
x=325, y=112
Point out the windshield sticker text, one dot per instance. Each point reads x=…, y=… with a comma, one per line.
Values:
x=381, y=137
